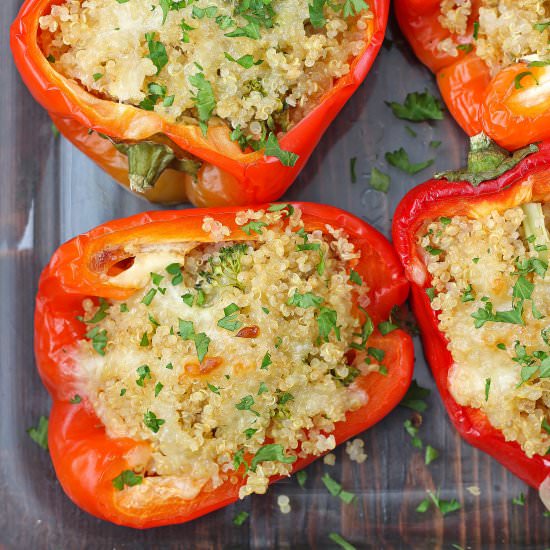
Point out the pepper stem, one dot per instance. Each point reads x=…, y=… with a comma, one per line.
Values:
x=147, y=160
x=486, y=161
x=534, y=226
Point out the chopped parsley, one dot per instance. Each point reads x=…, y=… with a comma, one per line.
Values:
x=269, y=453
x=144, y=372
x=418, y=106
x=385, y=327
x=263, y=388
x=316, y=14
x=148, y=298
x=354, y=277
x=305, y=300
x=98, y=338
x=327, y=322
x=273, y=149
x=144, y=342
x=157, y=51
x=301, y=478
x=246, y=404
x=400, y=159
x=240, y=518
x=204, y=99
x=520, y=500
x=353, y=175
x=75, y=400
x=379, y=181
x=158, y=388
x=100, y=314
x=335, y=489
x=230, y=321
x=266, y=361
x=341, y=541
x=444, y=506
x=413, y=433
x=430, y=455
x=152, y=422
x=126, y=478
x=213, y=388
x=40, y=434
x=415, y=397
x=245, y=61
x=175, y=270
x=255, y=226
x=202, y=341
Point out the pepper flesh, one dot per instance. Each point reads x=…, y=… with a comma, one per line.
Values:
x=527, y=182
x=85, y=458
x=512, y=115
x=227, y=175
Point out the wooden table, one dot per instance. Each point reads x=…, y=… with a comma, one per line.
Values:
x=51, y=192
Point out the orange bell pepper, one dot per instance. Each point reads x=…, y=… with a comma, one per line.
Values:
x=86, y=460
x=511, y=107
x=221, y=174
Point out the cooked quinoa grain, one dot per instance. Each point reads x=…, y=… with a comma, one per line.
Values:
x=229, y=353
x=247, y=65
x=509, y=30
x=475, y=266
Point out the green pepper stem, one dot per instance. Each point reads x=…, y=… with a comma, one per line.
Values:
x=147, y=160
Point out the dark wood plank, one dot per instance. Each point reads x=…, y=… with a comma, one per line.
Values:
x=50, y=192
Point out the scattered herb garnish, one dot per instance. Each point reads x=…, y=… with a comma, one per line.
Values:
x=152, y=422
x=418, y=106
x=126, y=478
x=400, y=159
x=415, y=397
x=40, y=434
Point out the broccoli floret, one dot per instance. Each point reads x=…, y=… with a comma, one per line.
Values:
x=224, y=267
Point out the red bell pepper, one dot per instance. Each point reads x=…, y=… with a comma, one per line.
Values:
x=509, y=182
x=85, y=459
x=510, y=106
x=226, y=174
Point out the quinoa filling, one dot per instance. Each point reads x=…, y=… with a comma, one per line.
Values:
x=231, y=354
x=505, y=31
x=259, y=65
x=491, y=289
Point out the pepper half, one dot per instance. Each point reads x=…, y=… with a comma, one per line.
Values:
x=511, y=107
x=86, y=460
x=186, y=165
x=494, y=181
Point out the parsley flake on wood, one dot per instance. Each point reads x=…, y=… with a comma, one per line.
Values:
x=40, y=434
x=418, y=107
x=400, y=159
x=379, y=181
x=415, y=397
x=412, y=430
x=444, y=506
x=240, y=518
x=301, y=478
x=341, y=541
x=430, y=455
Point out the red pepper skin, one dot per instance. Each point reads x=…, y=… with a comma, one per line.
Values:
x=85, y=459
x=527, y=181
x=508, y=114
x=227, y=176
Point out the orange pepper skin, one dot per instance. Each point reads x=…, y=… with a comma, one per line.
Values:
x=228, y=176
x=85, y=458
x=510, y=115
x=528, y=181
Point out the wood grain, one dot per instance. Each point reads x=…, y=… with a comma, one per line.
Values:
x=50, y=192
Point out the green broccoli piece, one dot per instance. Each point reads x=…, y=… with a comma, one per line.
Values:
x=225, y=266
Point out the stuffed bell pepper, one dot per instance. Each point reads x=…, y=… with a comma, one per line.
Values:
x=203, y=101
x=490, y=58
x=195, y=356
x=475, y=246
